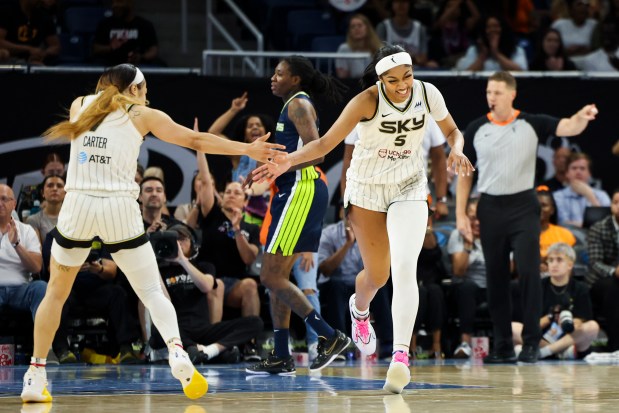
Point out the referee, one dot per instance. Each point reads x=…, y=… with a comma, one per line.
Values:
x=503, y=145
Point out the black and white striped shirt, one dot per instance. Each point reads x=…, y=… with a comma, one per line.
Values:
x=505, y=153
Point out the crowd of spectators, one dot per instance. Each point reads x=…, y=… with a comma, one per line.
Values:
x=473, y=35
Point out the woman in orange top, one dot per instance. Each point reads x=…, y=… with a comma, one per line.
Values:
x=551, y=233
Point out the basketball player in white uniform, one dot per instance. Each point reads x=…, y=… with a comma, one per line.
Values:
x=386, y=191
x=106, y=131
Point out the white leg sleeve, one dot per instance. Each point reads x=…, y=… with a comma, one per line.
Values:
x=140, y=266
x=406, y=224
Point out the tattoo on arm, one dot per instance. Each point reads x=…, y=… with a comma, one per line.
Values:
x=304, y=122
x=63, y=268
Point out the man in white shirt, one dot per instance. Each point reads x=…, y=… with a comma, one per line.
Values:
x=20, y=255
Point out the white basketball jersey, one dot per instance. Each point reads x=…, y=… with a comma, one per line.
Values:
x=389, y=149
x=103, y=161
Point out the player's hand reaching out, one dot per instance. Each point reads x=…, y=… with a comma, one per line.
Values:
x=263, y=151
x=271, y=170
x=458, y=163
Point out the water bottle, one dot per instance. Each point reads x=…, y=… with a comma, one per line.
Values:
x=36, y=207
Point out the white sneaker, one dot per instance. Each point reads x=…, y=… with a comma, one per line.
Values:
x=363, y=334
x=399, y=374
x=194, y=384
x=35, y=386
x=463, y=351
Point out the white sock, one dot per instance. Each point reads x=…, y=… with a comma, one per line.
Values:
x=212, y=351
x=545, y=352
x=359, y=314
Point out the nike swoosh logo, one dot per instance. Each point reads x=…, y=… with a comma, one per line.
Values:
x=281, y=195
x=386, y=115
x=316, y=317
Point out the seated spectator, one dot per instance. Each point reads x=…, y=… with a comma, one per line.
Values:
x=551, y=233
x=573, y=199
x=453, y=31
x=550, y=54
x=360, y=37
x=403, y=30
x=559, y=161
x=229, y=243
x=496, y=49
x=568, y=328
x=605, y=58
x=603, y=276
x=187, y=283
x=53, y=194
x=54, y=165
x=125, y=37
x=431, y=312
x=95, y=292
x=29, y=34
x=20, y=257
x=153, y=198
x=339, y=260
x=576, y=30
x=615, y=149
x=247, y=129
x=469, y=278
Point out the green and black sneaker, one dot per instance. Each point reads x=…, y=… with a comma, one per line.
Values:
x=274, y=365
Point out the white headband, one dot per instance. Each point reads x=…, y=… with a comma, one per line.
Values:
x=139, y=77
x=391, y=61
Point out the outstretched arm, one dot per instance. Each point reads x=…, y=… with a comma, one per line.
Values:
x=163, y=127
x=577, y=123
x=360, y=107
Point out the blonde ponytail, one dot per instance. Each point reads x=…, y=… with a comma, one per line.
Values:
x=109, y=100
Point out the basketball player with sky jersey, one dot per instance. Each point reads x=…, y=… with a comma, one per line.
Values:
x=386, y=191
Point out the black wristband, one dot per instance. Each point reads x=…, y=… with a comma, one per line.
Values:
x=16, y=243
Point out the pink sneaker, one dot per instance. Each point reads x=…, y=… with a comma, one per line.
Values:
x=398, y=375
x=363, y=334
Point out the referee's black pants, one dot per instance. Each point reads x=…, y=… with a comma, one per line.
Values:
x=512, y=223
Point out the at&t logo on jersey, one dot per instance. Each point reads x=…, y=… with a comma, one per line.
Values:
x=82, y=157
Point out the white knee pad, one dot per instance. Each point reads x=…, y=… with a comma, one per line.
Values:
x=71, y=257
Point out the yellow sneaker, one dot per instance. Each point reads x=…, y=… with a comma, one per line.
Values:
x=194, y=384
x=35, y=386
